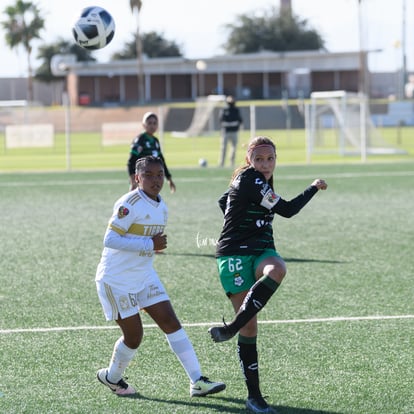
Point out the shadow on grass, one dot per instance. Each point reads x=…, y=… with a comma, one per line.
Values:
x=286, y=259
x=214, y=405
x=296, y=260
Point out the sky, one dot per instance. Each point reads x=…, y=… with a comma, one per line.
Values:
x=198, y=27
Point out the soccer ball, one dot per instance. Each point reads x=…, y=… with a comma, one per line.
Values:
x=202, y=162
x=94, y=29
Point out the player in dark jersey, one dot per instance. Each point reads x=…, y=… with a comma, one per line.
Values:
x=249, y=265
x=146, y=144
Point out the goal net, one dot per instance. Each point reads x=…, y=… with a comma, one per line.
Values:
x=202, y=118
x=340, y=122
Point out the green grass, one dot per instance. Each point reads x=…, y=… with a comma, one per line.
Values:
x=87, y=153
x=338, y=336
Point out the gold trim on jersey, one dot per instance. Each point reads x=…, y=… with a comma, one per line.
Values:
x=145, y=229
x=139, y=229
x=134, y=198
x=118, y=230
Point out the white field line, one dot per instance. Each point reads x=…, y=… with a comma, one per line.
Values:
x=203, y=179
x=207, y=324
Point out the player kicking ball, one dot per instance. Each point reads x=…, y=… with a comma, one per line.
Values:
x=250, y=268
x=128, y=283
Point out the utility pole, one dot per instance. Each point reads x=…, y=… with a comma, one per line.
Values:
x=286, y=5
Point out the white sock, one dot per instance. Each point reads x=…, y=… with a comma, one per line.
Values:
x=183, y=348
x=121, y=357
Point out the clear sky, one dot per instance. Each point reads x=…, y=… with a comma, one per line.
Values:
x=198, y=26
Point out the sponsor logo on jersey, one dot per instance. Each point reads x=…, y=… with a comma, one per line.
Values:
x=272, y=197
x=259, y=181
x=261, y=223
x=122, y=212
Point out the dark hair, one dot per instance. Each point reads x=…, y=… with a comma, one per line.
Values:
x=255, y=142
x=143, y=162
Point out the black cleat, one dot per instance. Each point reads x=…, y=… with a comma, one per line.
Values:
x=259, y=405
x=221, y=333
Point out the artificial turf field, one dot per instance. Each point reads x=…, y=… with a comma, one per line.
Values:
x=338, y=336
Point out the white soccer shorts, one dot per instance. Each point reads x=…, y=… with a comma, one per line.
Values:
x=118, y=302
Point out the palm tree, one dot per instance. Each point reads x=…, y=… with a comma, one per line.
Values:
x=136, y=8
x=22, y=27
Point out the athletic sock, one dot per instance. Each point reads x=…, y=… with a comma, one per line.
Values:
x=247, y=352
x=121, y=357
x=183, y=349
x=256, y=298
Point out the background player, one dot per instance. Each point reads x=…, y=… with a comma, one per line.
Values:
x=230, y=121
x=146, y=144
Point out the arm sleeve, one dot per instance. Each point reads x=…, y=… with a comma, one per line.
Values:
x=131, y=163
x=240, y=117
x=290, y=208
x=133, y=155
x=113, y=240
x=223, y=201
x=166, y=170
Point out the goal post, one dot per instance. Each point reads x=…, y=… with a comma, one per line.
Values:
x=340, y=122
x=202, y=116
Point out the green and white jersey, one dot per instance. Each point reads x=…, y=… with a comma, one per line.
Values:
x=142, y=146
x=249, y=207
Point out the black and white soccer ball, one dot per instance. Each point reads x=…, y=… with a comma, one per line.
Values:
x=202, y=162
x=94, y=29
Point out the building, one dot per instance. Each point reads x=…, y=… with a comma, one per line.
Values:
x=263, y=75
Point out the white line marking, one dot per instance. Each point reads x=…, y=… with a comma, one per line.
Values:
x=207, y=324
x=204, y=179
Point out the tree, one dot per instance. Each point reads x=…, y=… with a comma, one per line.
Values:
x=61, y=47
x=274, y=31
x=153, y=45
x=23, y=25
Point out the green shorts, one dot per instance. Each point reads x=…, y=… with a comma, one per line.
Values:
x=237, y=273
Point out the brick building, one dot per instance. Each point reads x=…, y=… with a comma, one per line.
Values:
x=264, y=75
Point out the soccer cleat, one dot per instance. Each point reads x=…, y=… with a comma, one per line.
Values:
x=259, y=405
x=203, y=387
x=120, y=388
x=221, y=333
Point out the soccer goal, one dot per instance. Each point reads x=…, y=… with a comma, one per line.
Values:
x=340, y=122
x=202, y=118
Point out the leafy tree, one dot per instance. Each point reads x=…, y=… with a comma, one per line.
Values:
x=153, y=45
x=23, y=25
x=61, y=47
x=274, y=31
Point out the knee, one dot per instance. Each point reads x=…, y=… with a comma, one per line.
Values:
x=250, y=329
x=277, y=272
x=133, y=341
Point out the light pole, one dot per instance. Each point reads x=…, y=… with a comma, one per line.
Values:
x=201, y=67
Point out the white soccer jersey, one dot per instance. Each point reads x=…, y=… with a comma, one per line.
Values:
x=129, y=259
